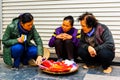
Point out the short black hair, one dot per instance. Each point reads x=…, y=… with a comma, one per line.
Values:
x=25, y=17
x=91, y=21
x=70, y=18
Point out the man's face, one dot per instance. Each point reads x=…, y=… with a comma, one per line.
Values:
x=84, y=26
x=66, y=26
x=27, y=26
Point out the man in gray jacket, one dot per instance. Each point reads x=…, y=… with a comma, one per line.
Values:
x=96, y=43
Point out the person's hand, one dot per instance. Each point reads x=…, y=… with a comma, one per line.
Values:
x=66, y=36
x=60, y=36
x=39, y=60
x=92, y=51
x=21, y=39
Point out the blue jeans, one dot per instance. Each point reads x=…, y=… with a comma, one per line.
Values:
x=20, y=54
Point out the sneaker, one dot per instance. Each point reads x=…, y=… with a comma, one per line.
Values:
x=32, y=62
x=15, y=68
x=69, y=62
x=108, y=70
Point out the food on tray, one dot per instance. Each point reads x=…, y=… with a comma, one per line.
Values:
x=56, y=66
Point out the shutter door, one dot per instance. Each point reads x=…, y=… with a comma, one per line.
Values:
x=48, y=14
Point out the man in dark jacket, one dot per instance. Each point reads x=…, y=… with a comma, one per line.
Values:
x=17, y=42
x=96, y=43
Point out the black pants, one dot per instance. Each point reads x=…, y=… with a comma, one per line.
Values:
x=104, y=57
x=65, y=49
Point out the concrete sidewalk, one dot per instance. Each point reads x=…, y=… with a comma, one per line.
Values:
x=33, y=73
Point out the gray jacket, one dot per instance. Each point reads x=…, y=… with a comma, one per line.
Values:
x=102, y=38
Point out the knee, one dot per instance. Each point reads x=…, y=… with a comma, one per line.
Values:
x=68, y=41
x=58, y=41
x=17, y=50
x=106, y=54
x=32, y=51
x=17, y=47
x=82, y=52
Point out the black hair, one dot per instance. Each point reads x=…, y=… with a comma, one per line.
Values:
x=91, y=21
x=70, y=18
x=25, y=17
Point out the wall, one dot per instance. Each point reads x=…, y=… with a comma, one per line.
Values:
x=50, y=13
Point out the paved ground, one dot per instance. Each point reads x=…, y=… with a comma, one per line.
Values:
x=33, y=73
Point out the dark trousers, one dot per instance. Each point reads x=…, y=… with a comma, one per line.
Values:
x=65, y=49
x=20, y=55
x=104, y=57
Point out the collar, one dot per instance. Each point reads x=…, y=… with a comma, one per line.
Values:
x=91, y=32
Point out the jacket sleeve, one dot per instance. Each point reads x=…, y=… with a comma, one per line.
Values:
x=75, y=37
x=6, y=39
x=52, y=40
x=38, y=42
